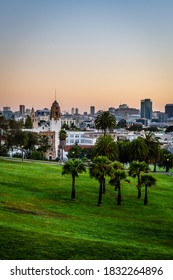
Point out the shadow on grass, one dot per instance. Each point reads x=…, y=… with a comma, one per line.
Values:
x=25, y=245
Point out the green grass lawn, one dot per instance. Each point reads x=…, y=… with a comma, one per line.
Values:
x=38, y=220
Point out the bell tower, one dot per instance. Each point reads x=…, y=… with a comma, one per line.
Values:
x=55, y=112
x=55, y=123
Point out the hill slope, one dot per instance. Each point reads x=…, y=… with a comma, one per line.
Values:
x=39, y=221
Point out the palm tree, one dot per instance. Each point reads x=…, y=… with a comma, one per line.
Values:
x=117, y=176
x=62, y=140
x=138, y=149
x=123, y=151
x=117, y=165
x=135, y=170
x=153, y=148
x=148, y=181
x=73, y=167
x=106, y=146
x=99, y=168
x=166, y=159
x=105, y=121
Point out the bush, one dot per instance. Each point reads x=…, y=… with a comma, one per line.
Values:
x=38, y=155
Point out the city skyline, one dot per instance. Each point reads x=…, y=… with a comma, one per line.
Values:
x=101, y=53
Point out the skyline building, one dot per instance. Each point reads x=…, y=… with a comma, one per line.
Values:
x=169, y=110
x=72, y=110
x=7, y=113
x=22, y=110
x=92, y=110
x=76, y=112
x=146, y=109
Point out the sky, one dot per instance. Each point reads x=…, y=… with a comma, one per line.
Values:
x=91, y=52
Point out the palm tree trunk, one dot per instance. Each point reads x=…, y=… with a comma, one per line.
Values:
x=119, y=195
x=139, y=191
x=100, y=194
x=104, y=185
x=167, y=168
x=146, y=196
x=73, y=192
x=154, y=170
x=139, y=187
x=61, y=154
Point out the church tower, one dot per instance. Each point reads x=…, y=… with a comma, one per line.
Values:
x=33, y=119
x=55, y=123
x=55, y=112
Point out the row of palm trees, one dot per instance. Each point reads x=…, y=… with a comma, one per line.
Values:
x=101, y=167
x=109, y=158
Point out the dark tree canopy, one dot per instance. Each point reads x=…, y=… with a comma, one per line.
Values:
x=106, y=146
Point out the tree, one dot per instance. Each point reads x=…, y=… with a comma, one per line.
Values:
x=62, y=141
x=28, y=122
x=99, y=168
x=138, y=149
x=135, y=170
x=123, y=151
x=13, y=124
x=152, y=128
x=4, y=124
x=153, y=149
x=169, y=129
x=32, y=140
x=105, y=121
x=65, y=126
x=74, y=152
x=165, y=160
x=116, y=177
x=135, y=127
x=37, y=155
x=73, y=167
x=106, y=146
x=117, y=165
x=122, y=123
x=43, y=143
x=87, y=153
x=18, y=139
x=148, y=181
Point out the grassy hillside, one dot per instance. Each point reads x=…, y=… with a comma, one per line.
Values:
x=39, y=221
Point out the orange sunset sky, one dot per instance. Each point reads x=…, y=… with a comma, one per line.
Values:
x=102, y=53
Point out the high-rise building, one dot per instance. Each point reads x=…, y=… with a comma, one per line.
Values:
x=22, y=110
x=72, y=110
x=6, y=109
x=7, y=113
x=92, y=110
x=76, y=112
x=169, y=110
x=146, y=109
